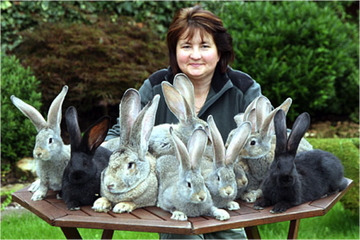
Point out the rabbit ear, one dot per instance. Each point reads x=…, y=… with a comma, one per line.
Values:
x=130, y=106
x=196, y=147
x=237, y=142
x=144, y=123
x=251, y=117
x=35, y=117
x=186, y=88
x=95, y=135
x=55, y=111
x=263, y=107
x=176, y=102
x=251, y=106
x=181, y=152
x=239, y=118
x=218, y=143
x=298, y=131
x=71, y=118
x=280, y=132
x=284, y=106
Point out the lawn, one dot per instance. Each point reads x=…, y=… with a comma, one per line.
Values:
x=339, y=223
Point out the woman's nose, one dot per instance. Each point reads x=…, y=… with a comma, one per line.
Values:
x=195, y=54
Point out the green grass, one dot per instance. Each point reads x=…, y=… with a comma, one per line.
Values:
x=339, y=223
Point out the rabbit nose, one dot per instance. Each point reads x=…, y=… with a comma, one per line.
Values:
x=110, y=186
x=229, y=190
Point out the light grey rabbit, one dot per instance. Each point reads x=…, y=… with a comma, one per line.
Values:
x=50, y=153
x=130, y=182
x=180, y=99
x=182, y=189
x=219, y=173
x=258, y=152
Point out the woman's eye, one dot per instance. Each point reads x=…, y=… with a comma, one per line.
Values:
x=205, y=46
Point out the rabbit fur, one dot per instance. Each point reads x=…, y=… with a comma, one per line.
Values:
x=50, y=153
x=295, y=178
x=81, y=179
x=182, y=189
x=180, y=99
x=130, y=182
x=257, y=154
x=219, y=171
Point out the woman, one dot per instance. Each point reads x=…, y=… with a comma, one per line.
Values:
x=201, y=47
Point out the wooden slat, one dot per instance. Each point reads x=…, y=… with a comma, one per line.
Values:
x=294, y=229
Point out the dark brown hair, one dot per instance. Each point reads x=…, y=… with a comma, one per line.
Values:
x=196, y=18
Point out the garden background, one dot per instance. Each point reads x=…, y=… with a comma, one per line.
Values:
x=308, y=51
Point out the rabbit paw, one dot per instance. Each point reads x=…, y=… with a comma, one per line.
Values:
x=221, y=214
x=279, y=208
x=180, y=216
x=124, y=207
x=58, y=196
x=251, y=196
x=233, y=206
x=34, y=186
x=38, y=195
x=101, y=205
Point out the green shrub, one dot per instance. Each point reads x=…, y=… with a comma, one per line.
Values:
x=299, y=50
x=17, y=131
x=347, y=150
x=98, y=62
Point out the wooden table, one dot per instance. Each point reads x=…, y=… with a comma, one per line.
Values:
x=153, y=219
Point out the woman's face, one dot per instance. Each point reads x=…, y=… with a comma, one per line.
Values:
x=197, y=57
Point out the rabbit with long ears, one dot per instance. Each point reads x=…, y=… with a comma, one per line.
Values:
x=81, y=179
x=130, y=182
x=295, y=178
x=182, y=189
x=180, y=99
x=258, y=152
x=219, y=175
x=50, y=153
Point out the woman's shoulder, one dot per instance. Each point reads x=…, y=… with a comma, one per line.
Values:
x=241, y=80
x=161, y=75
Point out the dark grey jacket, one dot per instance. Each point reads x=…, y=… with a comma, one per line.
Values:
x=230, y=94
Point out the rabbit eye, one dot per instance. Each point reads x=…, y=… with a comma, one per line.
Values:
x=253, y=142
x=50, y=140
x=218, y=178
x=189, y=184
x=131, y=165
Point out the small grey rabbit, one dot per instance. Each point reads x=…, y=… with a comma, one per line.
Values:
x=130, y=182
x=295, y=178
x=219, y=173
x=50, y=153
x=182, y=189
x=81, y=179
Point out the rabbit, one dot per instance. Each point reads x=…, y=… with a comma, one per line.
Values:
x=81, y=179
x=257, y=154
x=219, y=172
x=130, y=182
x=295, y=178
x=182, y=189
x=50, y=152
x=180, y=99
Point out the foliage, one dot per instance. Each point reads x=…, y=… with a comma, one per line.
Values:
x=98, y=62
x=306, y=52
x=21, y=15
x=17, y=131
x=347, y=150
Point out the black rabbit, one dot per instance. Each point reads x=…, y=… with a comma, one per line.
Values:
x=293, y=178
x=81, y=179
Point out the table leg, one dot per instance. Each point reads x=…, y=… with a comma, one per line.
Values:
x=71, y=233
x=294, y=229
x=107, y=234
x=252, y=232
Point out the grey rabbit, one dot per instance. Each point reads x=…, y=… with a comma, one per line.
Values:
x=81, y=179
x=50, y=153
x=295, y=178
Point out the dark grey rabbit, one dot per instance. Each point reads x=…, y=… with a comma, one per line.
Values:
x=81, y=179
x=296, y=178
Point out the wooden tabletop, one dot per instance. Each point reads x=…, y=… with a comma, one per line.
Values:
x=153, y=219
